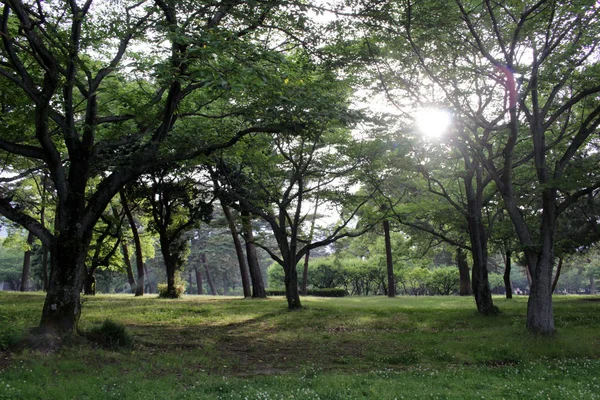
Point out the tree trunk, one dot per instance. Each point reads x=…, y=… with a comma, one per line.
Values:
x=238, y=250
x=89, y=286
x=540, y=310
x=127, y=261
x=45, y=267
x=291, y=285
x=199, y=280
x=211, y=284
x=463, y=272
x=258, y=286
x=62, y=307
x=307, y=256
x=480, y=283
x=26, y=264
x=225, y=284
x=150, y=288
x=139, y=259
x=391, y=286
x=557, y=275
x=592, y=285
x=507, y=269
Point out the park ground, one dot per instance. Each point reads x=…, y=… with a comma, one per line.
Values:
x=202, y=347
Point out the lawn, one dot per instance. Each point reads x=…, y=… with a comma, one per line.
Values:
x=202, y=347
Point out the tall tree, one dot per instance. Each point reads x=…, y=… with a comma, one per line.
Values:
x=67, y=65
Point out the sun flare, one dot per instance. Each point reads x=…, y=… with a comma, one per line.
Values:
x=433, y=122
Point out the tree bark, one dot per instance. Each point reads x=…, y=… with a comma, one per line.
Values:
x=127, y=261
x=211, y=284
x=89, y=285
x=291, y=285
x=258, y=286
x=507, y=269
x=45, y=267
x=238, y=250
x=557, y=275
x=139, y=259
x=463, y=272
x=62, y=307
x=307, y=256
x=199, y=283
x=26, y=264
x=391, y=286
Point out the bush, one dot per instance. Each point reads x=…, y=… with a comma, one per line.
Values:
x=111, y=335
x=332, y=292
x=275, y=292
x=164, y=294
x=329, y=292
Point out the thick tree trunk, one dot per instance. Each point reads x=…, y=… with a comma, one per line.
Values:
x=540, y=310
x=139, y=259
x=26, y=264
x=62, y=307
x=211, y=284
x=480, y=283
x=127, y=261
x=238, y=250
x=557, y=275
x=507, y=269
x=291, y=285
x=391, y=286
x=199, y=283
x=463, y=272
x=258, y=286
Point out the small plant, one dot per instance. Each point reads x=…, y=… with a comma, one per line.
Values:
x=164, y=293
x=111, y=334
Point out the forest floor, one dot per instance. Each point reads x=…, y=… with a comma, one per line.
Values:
x=204, y=347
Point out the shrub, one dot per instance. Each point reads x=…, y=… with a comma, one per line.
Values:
x=164, y=294
x=329, y=292
x=111, y=334
x=275, y=292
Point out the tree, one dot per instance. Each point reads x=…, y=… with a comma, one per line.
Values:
x=299, y=168
x=523, y=80
x=66, y=67
x=177, y=203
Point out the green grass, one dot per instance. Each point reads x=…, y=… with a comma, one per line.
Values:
x=348, y=348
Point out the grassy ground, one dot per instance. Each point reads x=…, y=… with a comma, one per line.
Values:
x=349, y=348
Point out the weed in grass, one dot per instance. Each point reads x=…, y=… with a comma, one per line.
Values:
x=111, y=335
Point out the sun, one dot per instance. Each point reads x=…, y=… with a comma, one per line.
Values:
x=433, y=122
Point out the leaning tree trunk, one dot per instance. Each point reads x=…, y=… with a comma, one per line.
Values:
x=238, y=250
x=391, y=287
x=557, y=275
x=507, y=269
x=26, y=263
x=258, y=286
x=139, y=259
x=127, y=261
x=463, y=272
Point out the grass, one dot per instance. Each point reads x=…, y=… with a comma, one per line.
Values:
x=349, y=348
